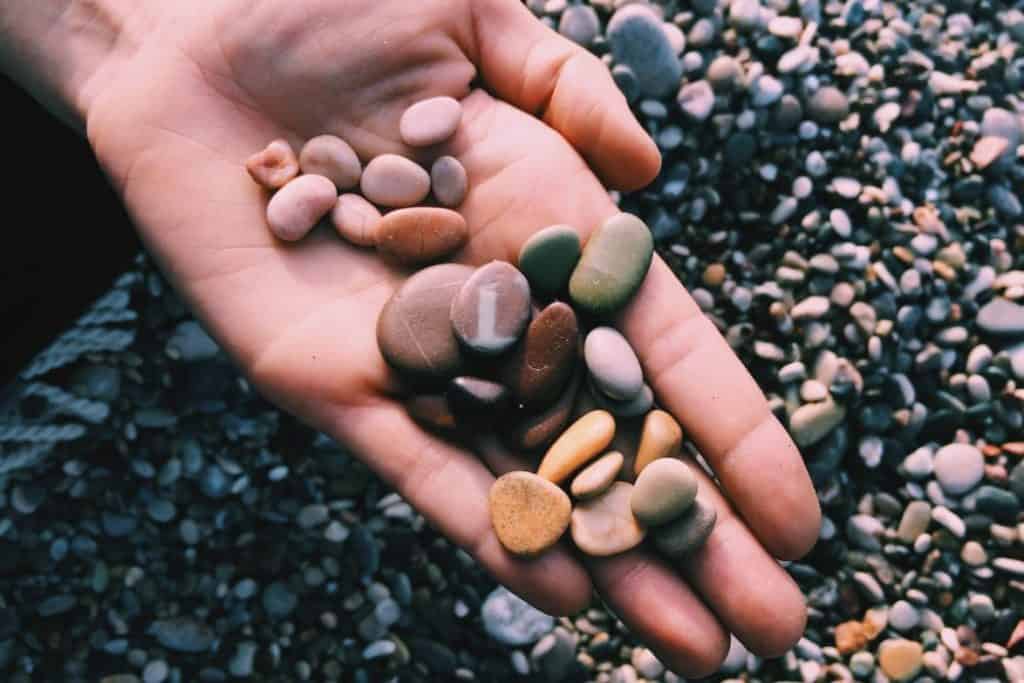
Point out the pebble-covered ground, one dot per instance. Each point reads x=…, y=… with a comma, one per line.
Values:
x=841, y=192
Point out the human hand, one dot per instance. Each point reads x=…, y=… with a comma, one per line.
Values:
x=173, y=116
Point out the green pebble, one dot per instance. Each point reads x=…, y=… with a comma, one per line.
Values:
x=613, y=266
x=548, y=258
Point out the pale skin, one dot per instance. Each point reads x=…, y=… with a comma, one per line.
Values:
x=175, y=96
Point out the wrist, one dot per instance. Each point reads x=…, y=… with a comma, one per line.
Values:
x=62, y=50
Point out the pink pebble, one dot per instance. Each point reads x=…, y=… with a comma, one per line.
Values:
x=356, y=219
x=394, y=181
x=274, y=166
x=297, y=207
x=333, y=158
x=431, y=121
x=448, y=181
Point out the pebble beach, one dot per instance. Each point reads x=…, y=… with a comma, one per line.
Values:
x=841, y=194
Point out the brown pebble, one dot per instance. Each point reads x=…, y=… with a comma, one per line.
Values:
x=605, y=525
x=687, y=533
x=395, y=182
x=537, y=371
x=528, y=513
x=356, y=220
x=662, y=437
x=492, y=309
x=420, y=235
x=477, y=401
x=449, y=181
x=431, y=121
x=537, y=431
x=900, y=659
x=579, y=444
x=414, y=330
x=297, y=207
x=714, y=275
x=431, y=411
x=273, y=166
x=596, y=477
x=333, y=158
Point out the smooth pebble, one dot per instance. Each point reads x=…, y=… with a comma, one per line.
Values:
x=356, y=220
x=686, y=533
x=580, y=443
x=537, y=431
x=394, y=182
x=420, y=235
x=613, y=265
x=661, y=437
x=430, y=121
x=538, y=370
x=664, y=490
x=596, y=477
x=958, y=468
x=449, y=181
x=605, y=525
x=635, y=407
x=492, y=309
x=613, y=364
x=333, y=158
x=297, y=207
x=529, y=513
x=638, y=41
x=548, y=257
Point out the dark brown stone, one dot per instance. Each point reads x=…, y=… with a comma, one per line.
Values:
x=538, y=431
x=477, y=401
x=431, y=411
x=492, y=309
x=544, y=361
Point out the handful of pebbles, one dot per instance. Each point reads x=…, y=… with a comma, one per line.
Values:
x=520, y=353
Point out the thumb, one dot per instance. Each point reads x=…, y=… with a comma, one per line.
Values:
x=527, y=64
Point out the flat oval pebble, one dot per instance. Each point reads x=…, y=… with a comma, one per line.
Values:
x=580, y=443
x=414, y=330
x=686, y=533
x=548, y=258
x=420, y=235
x=662, y=437
x=356, y=220
x=635, y=407
x=493, y=308
x=542, y=364
x=637, y=40
x=613, y=364
x=449, y=181
x=297, y=207
x=537, y=431
x=664, y=491
x=432, y=411
x=394, y=181
x=431, y=121
x=475, y=399
x=605, y=525
x=596, y=477
x=333, y=158
x=958, y=468
x=529, y=514
x=613, y=265
x=273, y=166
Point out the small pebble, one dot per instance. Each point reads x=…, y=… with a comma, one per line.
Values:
x=421, y=235
x=661, y=437
x=596, y=477
x=605, y=525
x=298, y=206
x=664, y=490
x=274, y=166
x=333, y=158
x=430, y=122
x=578, y=445
x=356, y=220
x=613, y=365
x=492, y=309
x=529, y=513
x=449, y=181
x=687, y=533
x=613, y=265
x=394, y=182
x=548, y=258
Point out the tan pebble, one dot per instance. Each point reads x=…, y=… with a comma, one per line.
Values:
x=333, y=158
x=900, y=659
x=597, y=476
x=662, y=437
x=421, y=234
x=431, y=121
x=274, y=166
x=685, y=534
x=605, y=525
x=395, y=182
x=583, y=440
x=297, y=207
x=448, y=181
x=529, y=514
x=850, y=637
x=356, y=220
x=664, y=491
x=714, y=275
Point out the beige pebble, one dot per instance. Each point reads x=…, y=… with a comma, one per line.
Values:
x=356, y=220
x=900, y=659
x=431, y=121
x=662, y=437
x=686, y=533
x=297, y=207
x=448, y=181
x=333, y=158
x=584, y=439
x=273, y=166
x=596, y=477
x=605, y=525
x=529, y=514
x=394, y=182
x=421, y=234
x=664, y=491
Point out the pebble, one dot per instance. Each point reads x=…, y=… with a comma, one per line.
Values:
x=663, y=491
x=724, y=74
x=356, y=220
x=987, y=150
x=580, y=443
x=333, y=158
x=613, y=265
x=828, y=105
x=915, y=520
x=449, y=181
x=278, y=600
x=958, y=468
x=542, y=364
x=529, y=513
x=605, y=525
x=744, y=15
x=613, y=365
x=1002, y=318
x=696, y=100
x=511, y=620
x=812, y=422
x=639, y=405
x=903, y=616
x=475, y=400
x=395, y=182
x=687, y=533
x=537, y=431
x=274, y=166
x=900, y=659
x=156, y=671
x=596, y=477
x=430, y=121
x=183, y=634
x=661, y=437
x=580, y=24
x=414, y=330
x=638, y=41
x=548, y=258
x=421, y=235
x=242, y=663
x=297, y=207
x=492, y=309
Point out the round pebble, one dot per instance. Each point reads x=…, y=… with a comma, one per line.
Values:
x=356, y=220
x=613, y=365
x=548, y=258
x=529, y=513
x=430, y=121
x=449, y=181
x=958, y=468
x=661, y=437
x=581, y=442
x=333, y=158
x=394, y=182
x=664, y=490
x=687, y=533
x=421, y=235
x=828, y=105
x=613, y=265
x=298, y=206
x=900, y=659
x=596, y=477
x=492, y=309
x=274, y=166
x=605, y=525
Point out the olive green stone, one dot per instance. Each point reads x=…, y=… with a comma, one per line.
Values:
x=613, y=265
x=548, y=258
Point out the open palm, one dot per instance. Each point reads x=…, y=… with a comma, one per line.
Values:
x=215, y=80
